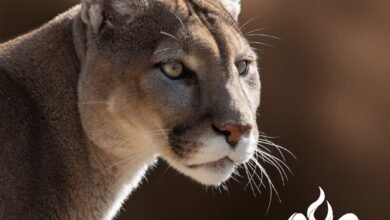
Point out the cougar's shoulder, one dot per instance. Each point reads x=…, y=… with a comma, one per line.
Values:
x=17, y=150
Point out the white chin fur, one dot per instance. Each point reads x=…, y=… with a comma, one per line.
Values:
x=211, y=175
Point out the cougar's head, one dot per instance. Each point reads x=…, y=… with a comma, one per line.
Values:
x=174, y=79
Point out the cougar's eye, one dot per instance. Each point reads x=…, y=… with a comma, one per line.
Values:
x=242, y=67
x=173, y=69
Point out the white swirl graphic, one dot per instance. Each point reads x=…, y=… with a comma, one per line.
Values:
x=314, y=206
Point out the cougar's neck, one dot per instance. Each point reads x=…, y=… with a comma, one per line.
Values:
x=46, y=63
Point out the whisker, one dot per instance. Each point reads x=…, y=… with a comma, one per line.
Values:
x=224, y=186
x=219, y=190
x=233, y=178
x=169, y=35
x=159, y=51
x=254, y=31
x=163, y=174
x=263, y=147
x=249, y=181
x=181, y=21
x=260, y=178
x=260, y=144
x=263, y=135
x=247, y=22
x=237, y=173
x=261, y=43
x=270, y=183
x=277, y=166
x=275, y=159
x=278, y=147
x=263, y=35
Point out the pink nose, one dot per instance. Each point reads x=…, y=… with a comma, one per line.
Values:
x=233, y=132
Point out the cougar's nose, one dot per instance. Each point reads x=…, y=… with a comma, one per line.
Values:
x=232, y=132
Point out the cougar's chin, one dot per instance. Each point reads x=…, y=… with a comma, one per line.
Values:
x=210, y=173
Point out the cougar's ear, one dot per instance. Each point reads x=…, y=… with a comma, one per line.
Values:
x=98, y=13
x=232, y=6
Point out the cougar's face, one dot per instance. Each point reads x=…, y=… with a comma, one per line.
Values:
x=183, y=86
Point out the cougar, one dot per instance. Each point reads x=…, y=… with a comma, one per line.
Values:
x=90, y=100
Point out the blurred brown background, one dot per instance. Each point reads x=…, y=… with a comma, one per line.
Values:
x=326, y=97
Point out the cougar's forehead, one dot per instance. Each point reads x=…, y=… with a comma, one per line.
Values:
x=205, y=32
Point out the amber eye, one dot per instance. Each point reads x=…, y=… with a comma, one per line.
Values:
x=242, y=67
x=173, y=69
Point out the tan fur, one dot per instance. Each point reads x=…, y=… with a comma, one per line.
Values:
x=85, y=110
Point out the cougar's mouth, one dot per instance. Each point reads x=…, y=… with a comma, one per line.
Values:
x=216, y=165
x=208, y=159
